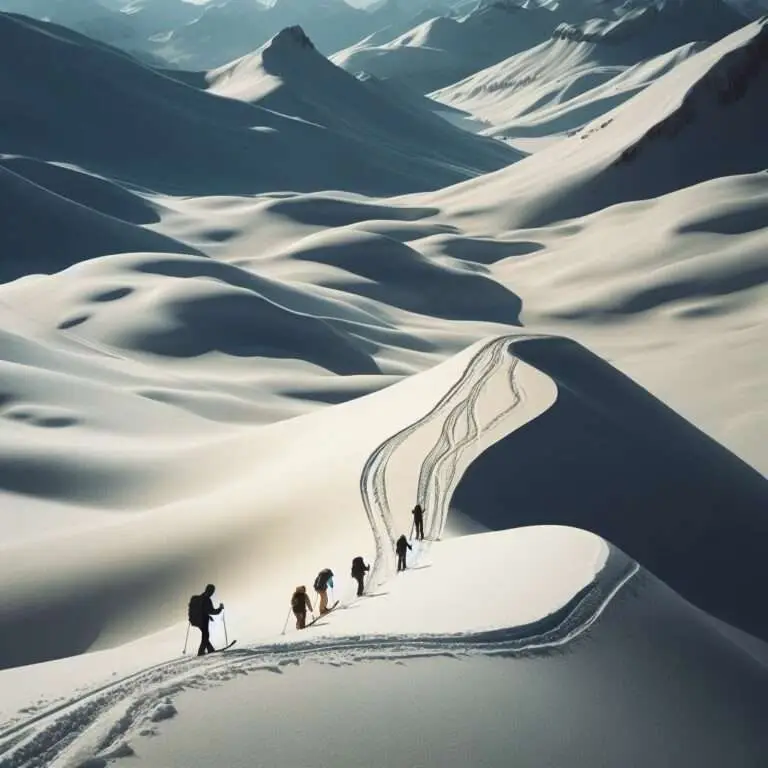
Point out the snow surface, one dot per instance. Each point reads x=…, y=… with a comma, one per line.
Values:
x=229, y=355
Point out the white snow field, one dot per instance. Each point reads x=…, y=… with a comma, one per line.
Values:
x=249, y=317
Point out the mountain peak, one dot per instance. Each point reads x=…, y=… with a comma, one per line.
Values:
x=289, y=38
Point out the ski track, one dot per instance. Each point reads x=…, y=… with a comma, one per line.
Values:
x=101, y=721
x=93, y=727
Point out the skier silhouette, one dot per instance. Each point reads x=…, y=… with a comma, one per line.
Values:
x=299, y=604
x=418, y=521
x=201, y=612
x=402, y=548
x=359, y=569
x=323, y=580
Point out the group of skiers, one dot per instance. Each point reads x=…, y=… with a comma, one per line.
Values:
x=201, y=610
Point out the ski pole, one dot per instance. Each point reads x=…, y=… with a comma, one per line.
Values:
x=184, y=652
x=410, y=535
x=285, y=626
x=224, y=619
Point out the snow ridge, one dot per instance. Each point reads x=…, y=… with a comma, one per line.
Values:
x=439, y=470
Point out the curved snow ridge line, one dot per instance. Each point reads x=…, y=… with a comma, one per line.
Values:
x=479, y=369
x=95, y=725
x=446, y=447
x=445, y=467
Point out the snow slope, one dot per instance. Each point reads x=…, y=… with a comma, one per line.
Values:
x=443, y=50
x=201, y=383
x=228, y=29
x=630, y=485
x=153, y=715
x=584, y=70
x=158, y=133
x=577, y=594
x=113, y=586
x=666, y=138
x=338, y=702
x=276, y=77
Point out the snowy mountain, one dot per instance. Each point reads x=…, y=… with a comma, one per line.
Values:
x=265, y=150
x=584, y=70
x=276, y=78
x=666, y=138
x=232, y=28
x=199, y=36
x=250, y=315
x=444, y=49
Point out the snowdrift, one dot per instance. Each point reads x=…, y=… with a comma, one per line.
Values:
x=158, y=133
x=635, y=473
x=666, y=138
x=73, y=230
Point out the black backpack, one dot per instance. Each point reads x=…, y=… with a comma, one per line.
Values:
x=358, y=566
x=299, y=602
x=195, y=611
x=321, y=582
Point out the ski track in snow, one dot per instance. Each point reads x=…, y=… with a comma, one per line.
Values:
x=92, y=728
x=438, y=475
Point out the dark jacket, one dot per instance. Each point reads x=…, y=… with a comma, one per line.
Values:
x=418, y=513
x=300, y=602
x=359, y=568
x=402, y=545
x=208, y=610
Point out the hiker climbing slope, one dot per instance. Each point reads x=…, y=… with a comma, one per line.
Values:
x=323, y=580
x=200, y=613
x=359, y=569
x=418, y=521
x=401, y=547
x=300, y=603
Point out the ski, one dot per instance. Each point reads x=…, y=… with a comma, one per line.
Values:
x=320, y=616
x=231, y=643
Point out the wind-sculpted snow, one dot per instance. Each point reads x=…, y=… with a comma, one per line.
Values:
x=460, y=426
x=634, y=472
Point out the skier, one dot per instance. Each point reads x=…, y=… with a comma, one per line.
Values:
x=323, y=580
x=401, y=548
x=418, y=521
x=201, y=611
x=299, y=604
x=359, y=569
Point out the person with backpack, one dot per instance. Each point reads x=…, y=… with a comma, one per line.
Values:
x=418, y=521
x=401, y=547
x=300, y=603
x=323, y=580
x=200, y=613
x=359, y=569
